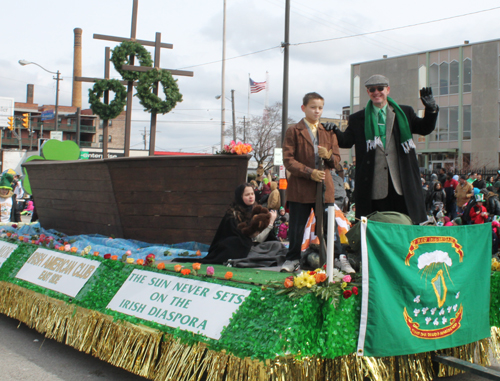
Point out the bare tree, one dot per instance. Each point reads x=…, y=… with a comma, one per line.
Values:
x=263, y=133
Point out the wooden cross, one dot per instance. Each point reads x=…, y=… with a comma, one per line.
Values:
x=130, y=84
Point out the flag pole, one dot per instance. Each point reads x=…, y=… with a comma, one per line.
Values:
x=248, y=109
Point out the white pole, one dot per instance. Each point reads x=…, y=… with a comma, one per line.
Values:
x=330, y=243
x=223, y=85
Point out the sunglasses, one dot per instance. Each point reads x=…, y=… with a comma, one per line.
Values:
x=379, y=88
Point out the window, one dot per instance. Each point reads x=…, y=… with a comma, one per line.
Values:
x=355, y=91
x=110, y=123
x=100, y=139
x=443, y=78
x=433, y=78
x=109, y=138
x=68, y=122
x=466, y=161
x=467, y=119
x=442, y=125
x=453, y=123
x=101, y=123
x=454, y=77
x=467, y=75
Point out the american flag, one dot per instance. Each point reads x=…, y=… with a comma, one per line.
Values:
x=255, y=87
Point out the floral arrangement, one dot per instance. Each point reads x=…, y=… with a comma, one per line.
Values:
x=234, y=148
x=316, y=282
x=495, y=264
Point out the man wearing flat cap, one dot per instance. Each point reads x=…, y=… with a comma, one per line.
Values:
x=387, y=173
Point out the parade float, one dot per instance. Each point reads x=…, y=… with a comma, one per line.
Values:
x=426, y=293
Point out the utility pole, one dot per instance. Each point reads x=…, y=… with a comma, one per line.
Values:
x=144, y=135
x=234, y=117
x=286, y=46
x=223, y=84
x=244, y=130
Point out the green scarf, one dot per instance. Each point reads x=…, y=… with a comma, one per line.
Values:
x=372, y=141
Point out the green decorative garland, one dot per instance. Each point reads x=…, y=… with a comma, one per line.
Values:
x=116, y=106
x=121, y=56
x=152, y=102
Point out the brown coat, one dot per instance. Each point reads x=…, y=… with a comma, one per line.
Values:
x=464, y=193
x=298, y=156
x=274, y=200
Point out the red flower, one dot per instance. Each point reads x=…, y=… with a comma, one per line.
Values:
x=290, y=277
x=107, y=256
x=324, y=266
x=288, y=283
x=347, y=294
x=355, y=290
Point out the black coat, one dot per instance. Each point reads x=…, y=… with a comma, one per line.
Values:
x=408, y=165
x=229, y=242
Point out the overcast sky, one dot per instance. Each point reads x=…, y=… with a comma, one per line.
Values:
x=42, y=32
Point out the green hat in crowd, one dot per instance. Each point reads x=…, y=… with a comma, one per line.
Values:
x=479, y=197
x=6, y=181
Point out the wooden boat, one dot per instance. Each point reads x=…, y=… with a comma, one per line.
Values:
x=153, y=199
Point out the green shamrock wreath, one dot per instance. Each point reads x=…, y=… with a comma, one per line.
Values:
x=121, y=56
x=152, y=102
x=111, y=111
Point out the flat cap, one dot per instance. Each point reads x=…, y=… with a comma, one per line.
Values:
x=377, y=80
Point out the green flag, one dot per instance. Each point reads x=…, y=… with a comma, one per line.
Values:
x=424, y=287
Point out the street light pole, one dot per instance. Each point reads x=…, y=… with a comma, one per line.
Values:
x=58, y=78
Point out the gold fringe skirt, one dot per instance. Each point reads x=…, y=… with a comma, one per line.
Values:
x=157, y=356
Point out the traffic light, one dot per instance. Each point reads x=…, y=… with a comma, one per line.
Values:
x=11, y=123
x=26, y=120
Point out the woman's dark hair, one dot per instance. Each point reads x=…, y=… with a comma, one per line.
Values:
x=438, y=184
x=238, y=206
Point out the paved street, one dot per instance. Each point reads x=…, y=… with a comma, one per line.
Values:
x=26, y=355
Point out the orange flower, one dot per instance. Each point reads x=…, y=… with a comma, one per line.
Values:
x=114, y=257
x=198, y=253
x=33, y=241
x=196, y=266
x=228, y=275
x=9, y=234
x=185, y=271
x=96, y=253
x=61, y=248
x=74, y=249
x=177, y=268
x=140, y=261
x=320, y=277
x=288, y=283
x=21, y=238
x=160, y=266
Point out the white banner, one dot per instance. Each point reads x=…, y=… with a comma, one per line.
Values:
x=59, y=272
x=6, y=250
x=188, y=304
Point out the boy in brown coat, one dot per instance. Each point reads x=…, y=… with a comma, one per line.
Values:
x=306, y=144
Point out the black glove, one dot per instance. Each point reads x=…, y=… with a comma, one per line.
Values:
x=427, y=99
x=329, y=126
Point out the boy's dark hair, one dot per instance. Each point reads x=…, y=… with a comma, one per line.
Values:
x=283, y=219
x=310, y=96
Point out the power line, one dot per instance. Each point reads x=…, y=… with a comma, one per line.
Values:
x=396, y=28
x=232, y=58
x=346, y=37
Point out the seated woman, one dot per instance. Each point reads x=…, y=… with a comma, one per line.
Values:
x=244, y=237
